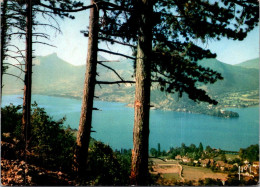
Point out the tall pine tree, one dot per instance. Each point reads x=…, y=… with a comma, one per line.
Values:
x=83, y=136
x=175, y=27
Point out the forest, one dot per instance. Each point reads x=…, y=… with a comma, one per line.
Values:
x=162, y=35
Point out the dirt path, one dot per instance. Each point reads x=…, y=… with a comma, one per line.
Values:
x=185, y=172
x=180, y=172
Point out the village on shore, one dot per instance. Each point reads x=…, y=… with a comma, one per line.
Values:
x=197, y=166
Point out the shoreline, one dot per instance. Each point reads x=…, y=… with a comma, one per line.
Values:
x=131, y=105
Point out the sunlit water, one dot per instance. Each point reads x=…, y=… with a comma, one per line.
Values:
x=114, y=124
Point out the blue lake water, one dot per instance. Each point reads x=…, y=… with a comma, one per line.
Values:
x=114, y=124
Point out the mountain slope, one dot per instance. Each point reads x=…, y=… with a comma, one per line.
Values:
x=54, y=76
x=236, y=78
x=254, y=63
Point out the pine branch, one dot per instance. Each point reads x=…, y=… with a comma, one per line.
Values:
x=14, y=57
x=18, y=50
x=108, y=61
x=113, y=82
x=62, y=10
x=115, y=41
x=14, y=66
x=112, y=70
x=49, y=25
x=96, y=109
x=42, y=35
x=116, y=7
x=16, y=33
x=13, y=76
x=114, y=53
x=44, y=43
x=56, y=22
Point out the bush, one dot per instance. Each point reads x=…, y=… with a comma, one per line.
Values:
x=50, y=140
x=50, y=145
x=11, y=120
x=105, y=167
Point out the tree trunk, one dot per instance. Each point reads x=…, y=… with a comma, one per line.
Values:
x=139, y=169
x=83, y=137
x=28, y=74
x=3, y=38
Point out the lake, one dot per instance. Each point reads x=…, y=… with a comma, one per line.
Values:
x=114, y=124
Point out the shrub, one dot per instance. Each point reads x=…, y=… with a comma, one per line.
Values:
x=11, y=120
x=51, y=145
x=105, y=167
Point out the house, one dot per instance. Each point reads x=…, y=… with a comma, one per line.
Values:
x=211, y=162
x=255, y=171
x=256, y=164
x=228, y=166
x=221, y=165
x=195, y=161
x=178, y=157
x=246, y=162
x=205, y=162
x=186, y=159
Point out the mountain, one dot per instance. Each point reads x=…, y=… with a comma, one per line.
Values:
x=254, y=63
x=54, y=76
x=236, y=78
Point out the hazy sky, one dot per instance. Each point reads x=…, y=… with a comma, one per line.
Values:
x=72, y=45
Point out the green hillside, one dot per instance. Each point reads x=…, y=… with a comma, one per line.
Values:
x=236, y=78
x=254, y=63
x=54, y=76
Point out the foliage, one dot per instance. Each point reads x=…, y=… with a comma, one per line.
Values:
x=251, y=153
x=50, y=142
x=191, y=151
x=52, y=146
x=11, y=120
x=210, y=182
x=223, y=157
x=106, y=167
x=175, y=34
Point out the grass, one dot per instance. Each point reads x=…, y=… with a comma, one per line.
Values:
x=196, y=173
x=231, y=157
x=228, y=156
x=170, y=176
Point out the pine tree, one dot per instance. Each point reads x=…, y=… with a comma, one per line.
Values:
x=139, y=168
x=18, y=17
x=4, y=29
x=83, y=136
x=32, y=7
x=172, y=52
x=95, y=34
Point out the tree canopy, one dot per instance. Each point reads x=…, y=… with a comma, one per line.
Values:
x=180, y=30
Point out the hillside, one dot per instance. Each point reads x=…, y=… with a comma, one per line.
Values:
x=254, y=63
x=54, y=76
x=236, y=78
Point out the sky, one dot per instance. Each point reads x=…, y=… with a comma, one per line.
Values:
x=71, y=45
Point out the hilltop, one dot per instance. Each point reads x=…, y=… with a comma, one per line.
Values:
x=54, y=76
x=254, y=63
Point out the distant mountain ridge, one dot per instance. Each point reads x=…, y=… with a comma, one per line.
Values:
x=54, y=76
x=254, y=63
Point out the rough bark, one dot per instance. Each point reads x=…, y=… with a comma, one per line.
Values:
x=139, y=168
x=83, y=137
x=3, y=38
x=28, y=73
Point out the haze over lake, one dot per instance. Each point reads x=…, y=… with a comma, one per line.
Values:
x=114, y=124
